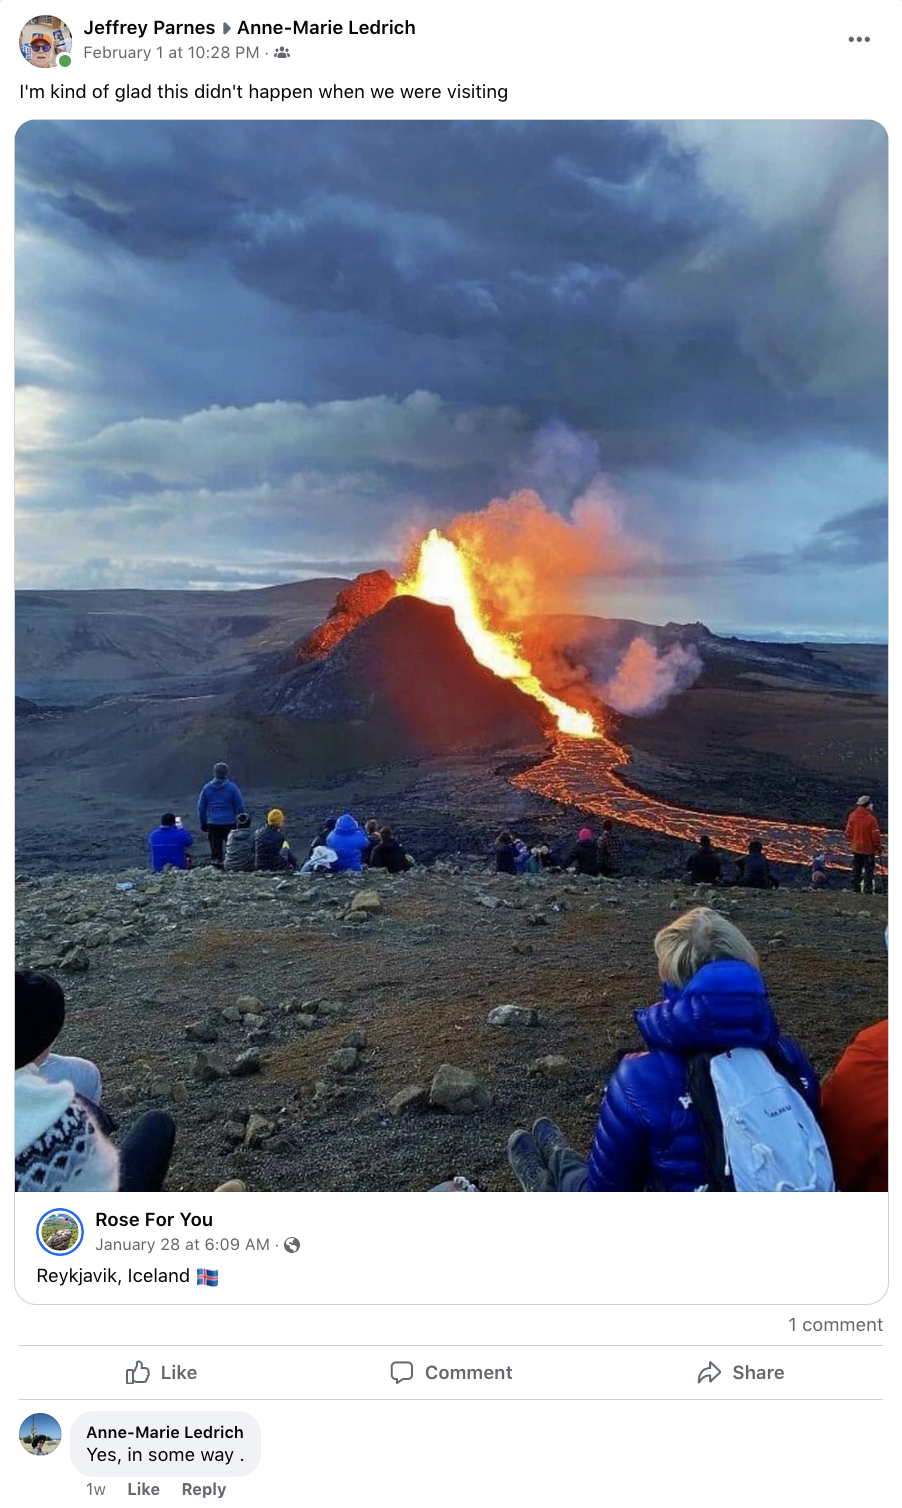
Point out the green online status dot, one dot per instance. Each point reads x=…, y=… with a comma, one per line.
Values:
x=64, y=60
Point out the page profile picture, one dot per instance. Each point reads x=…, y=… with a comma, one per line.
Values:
x=45, y=41
x=60, y=1232
x=39, y=1434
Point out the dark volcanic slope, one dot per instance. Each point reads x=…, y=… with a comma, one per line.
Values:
x=407, y=668
x=71, y=646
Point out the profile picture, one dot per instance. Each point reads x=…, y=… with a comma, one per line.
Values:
x=39, y=1434
x=43, y=39
x=59, y=1231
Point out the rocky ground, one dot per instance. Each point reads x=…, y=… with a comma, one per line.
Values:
x=356, y=1033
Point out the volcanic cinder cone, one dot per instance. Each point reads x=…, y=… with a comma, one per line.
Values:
x=365, y=596
x=407, y=669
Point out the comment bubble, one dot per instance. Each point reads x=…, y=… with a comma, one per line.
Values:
x=165, y=1443
x=402, y=1371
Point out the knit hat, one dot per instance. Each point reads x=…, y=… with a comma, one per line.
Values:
x=864, y=801
x=275, y=818
x=584, y=834
x=220, y=770
x=242, y=820
x=40, y=1013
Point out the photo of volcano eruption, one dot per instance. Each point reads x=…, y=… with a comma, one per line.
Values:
x=451, y=618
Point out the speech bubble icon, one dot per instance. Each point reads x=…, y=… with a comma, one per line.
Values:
x=402, y=1371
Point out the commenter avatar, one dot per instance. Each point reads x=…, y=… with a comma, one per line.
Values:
x=42, y=39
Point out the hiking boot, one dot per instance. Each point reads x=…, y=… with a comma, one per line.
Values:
x=526, y=1164
x=548, y=1138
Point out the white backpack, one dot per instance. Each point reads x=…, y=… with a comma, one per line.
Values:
x=760, y=1135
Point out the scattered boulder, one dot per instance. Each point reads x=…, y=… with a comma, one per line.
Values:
x=258, y=1129
x=343, y=1060
x=201, y=1031
x=249, y=1005
x=359, y=918
x=537, y=919
x=553, y=1065
x=205, y=1069
x=231, y=1186
x=246, y=1063
x=356, y=1038
x=367, y=900
x=230, y=1013
x=75, y=961
x=410, y=1100
x=458, y=1091
x=513, y=1015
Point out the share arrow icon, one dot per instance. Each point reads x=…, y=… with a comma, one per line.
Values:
x=709, y=1373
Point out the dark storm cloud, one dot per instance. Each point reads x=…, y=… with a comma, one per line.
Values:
x=349, y=328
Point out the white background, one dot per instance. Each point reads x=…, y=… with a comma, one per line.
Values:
x=568, y=60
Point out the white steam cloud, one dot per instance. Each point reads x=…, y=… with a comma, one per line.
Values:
x=646, y=679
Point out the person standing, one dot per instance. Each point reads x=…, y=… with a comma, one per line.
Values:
x=863, y=833
x=610, y=850
x=855, y=1113
x=219, y=806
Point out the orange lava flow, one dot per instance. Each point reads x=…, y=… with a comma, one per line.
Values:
x=443, y=576
x=585, y=775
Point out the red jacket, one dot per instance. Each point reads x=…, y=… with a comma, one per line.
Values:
x=855, y=1113
x=863, y=831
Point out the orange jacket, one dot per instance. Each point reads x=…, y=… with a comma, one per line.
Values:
x=855, y=1113
x=863, y=831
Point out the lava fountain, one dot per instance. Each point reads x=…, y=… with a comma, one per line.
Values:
x=442, y=576
x=584, y=769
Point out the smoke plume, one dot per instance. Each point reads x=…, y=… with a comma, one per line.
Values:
x=528, y=559
x=645, y=679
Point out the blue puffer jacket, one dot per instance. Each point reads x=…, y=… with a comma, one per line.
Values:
x=219, y=804
x=349, y=841
x=648, y=1135
x=169, y=845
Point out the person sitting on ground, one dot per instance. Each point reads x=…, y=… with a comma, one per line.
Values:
x=650, y=1135
x=321, y=861
x=820, y=875
x=219, y=806
x=610, y=850
x=542, y=855
x=855, y=1113
x=61, y=1134
x=505, y=854
x=521, y=856
x=239, y=849
x=390, y=854
x=321, y=839
x=350, y=843
x=272, y=850
x=169, y=844
x=753, y=872
x=372, y=828
x=585, y=852
x=863, y=833
x=703, y=866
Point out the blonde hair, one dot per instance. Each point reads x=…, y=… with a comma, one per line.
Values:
x=699, y=937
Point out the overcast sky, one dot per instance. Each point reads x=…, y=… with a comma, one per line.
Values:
x=248, y=353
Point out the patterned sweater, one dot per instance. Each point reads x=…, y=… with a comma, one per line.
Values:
x=59, y=1146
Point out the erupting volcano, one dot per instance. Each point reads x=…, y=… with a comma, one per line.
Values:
x=470, y=649
x=442, y=576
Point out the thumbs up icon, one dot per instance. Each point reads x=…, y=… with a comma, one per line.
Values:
x=137, y=1373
